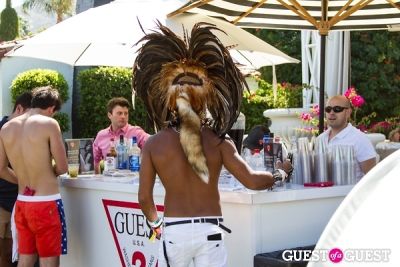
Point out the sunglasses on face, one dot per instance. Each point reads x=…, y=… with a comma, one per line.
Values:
x=336, y=109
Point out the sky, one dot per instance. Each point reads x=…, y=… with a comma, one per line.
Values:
x=14, y=3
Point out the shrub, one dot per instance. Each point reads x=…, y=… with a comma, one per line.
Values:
x=31, y=79
x=97, y=87
x=28, y=80
x=256, y=102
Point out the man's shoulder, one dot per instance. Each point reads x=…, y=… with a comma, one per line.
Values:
x=103, y=132
x=356, y=133
x=135, y=128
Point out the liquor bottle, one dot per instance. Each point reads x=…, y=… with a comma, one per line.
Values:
x=268, y=153
x=122, y=159
x=111, y=157
x=278, y=152
x=134, y=156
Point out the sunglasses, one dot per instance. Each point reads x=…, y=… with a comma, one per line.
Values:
x=336, y=109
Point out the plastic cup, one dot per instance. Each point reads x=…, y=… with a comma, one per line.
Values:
x=73, y=170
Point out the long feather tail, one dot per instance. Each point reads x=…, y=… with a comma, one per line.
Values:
x=190, y=138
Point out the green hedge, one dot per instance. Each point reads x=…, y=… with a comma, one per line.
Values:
x=97, y=87
x=31, y=79
x=256, y=102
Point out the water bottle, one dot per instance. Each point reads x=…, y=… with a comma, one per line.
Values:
x=134, y=156
x=122, y=160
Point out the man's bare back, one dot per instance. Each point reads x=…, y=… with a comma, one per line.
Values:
x=186, y=194
x=30, y=142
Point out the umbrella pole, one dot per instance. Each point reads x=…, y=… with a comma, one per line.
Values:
x=322, y=85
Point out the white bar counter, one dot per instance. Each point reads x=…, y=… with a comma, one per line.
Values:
x=260, y=221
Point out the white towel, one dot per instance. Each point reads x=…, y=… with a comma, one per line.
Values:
x=14, y=237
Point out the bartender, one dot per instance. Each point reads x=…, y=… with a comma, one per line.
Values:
x=341, y=132
x=118, y=113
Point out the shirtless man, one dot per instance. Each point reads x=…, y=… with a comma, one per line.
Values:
x=9, y=191
x=188, y=154
x=30, y=142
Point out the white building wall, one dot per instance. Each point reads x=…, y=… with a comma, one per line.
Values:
x=10, y=67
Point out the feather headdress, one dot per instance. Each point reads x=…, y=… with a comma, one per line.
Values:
x=180, y=80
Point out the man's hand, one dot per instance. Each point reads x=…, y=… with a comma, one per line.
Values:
x=285, y=165
x=282, y=171
x=156, y=229
x=155, y=233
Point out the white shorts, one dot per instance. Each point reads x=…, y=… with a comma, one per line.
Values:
x=199, y=243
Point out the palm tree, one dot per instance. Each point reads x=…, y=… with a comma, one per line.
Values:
x=59, y=7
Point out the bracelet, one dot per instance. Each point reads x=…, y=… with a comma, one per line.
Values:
x=157, y=223
x=279, y=175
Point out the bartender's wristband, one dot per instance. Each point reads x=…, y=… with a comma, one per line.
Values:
x=157, y=223
x=279, y=175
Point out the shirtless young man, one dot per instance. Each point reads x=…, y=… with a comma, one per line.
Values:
x=9, y=191
x=188, y=153
x=30, y=142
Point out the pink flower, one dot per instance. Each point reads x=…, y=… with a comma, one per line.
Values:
x=350, y=93
x=357, y=101
x=362, y=128
x=305, y=116
x=315, y=110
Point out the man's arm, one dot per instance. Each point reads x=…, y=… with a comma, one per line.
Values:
x=367, y=165
x=233, y=162
x=57, y=148
x=146, y=185
x=5, y=172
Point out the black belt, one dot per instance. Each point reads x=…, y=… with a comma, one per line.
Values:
x=215, y=221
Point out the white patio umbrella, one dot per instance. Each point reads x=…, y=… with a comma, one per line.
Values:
x=106, y=35
x=321, y=15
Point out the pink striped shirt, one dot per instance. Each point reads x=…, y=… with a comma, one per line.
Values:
x=101, y=144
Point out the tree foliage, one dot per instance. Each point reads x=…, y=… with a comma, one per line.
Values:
x=8, y=24
x=375, y=66
x=256, y=102
x=375, y=71
x=58, y=7
x=288, y=42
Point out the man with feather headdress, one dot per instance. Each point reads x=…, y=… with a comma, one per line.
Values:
x=192, y=91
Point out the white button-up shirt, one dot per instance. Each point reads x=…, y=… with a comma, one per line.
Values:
x=363, y=148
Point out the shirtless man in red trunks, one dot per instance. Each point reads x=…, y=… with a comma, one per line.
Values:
x=30, y=142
